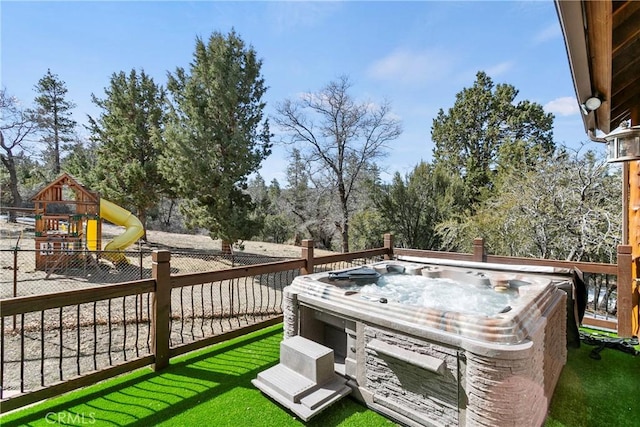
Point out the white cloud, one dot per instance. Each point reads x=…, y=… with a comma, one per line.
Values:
x=499, y=69
x=411, y=67
x=288, y=15
x=549, y=33
x=565, y=106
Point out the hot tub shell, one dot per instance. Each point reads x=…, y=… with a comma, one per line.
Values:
x=422, y=366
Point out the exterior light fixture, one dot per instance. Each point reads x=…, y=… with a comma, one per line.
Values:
x=623, y=144
x=591, y=104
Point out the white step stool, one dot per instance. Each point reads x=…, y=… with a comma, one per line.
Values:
x=304, y=381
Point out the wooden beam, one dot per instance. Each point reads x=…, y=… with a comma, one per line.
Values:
x=570, y=14
x=634, y=289
x=31, y=303
x=599, y=30
x=625, y=27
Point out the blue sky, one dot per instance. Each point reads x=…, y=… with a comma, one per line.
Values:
x=417, y=54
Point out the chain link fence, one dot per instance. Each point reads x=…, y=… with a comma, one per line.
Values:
x=74, y=269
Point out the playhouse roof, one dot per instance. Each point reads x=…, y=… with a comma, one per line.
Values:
x=52, y=191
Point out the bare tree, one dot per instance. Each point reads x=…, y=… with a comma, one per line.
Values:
x=338, y=139
x=16, y=124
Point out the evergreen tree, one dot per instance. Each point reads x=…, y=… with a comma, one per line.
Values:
x=128, y=133
x=414, y=206
x=216, y=136
x=54, y=114
x=277, y=226
x=486, y=129
x=367, y=229
x=81, y=161
x=311, y=208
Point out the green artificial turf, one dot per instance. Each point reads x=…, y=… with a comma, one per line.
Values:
x=212, y=387
x=595, y=393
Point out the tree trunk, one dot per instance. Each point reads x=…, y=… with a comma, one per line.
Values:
x=142, y=216
x=16, y=199
x=345, y=237
x=226, y=247
x=344, y=227
x=56, y=145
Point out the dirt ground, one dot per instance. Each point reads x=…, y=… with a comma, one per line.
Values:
x=12, y=233
x=190, y=253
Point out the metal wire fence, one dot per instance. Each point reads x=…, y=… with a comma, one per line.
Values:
x=76, y=269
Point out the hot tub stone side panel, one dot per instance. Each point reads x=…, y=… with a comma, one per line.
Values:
x=555, y=342
x=506, y=392
x=401, y=386
x=290, y=313
x=517, y=391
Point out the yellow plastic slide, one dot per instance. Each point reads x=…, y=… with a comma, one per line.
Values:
x=120, y=216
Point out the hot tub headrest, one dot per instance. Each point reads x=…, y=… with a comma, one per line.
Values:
x=361, y=273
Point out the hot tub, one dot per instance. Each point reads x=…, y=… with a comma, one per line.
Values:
x=421, y=362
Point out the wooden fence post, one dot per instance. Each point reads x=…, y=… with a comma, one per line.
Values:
x=635, y=299
x=478, y=250
x=625, y=289
x=160, y=321
x=388, y=245
x=307, y=254
x=15, y=279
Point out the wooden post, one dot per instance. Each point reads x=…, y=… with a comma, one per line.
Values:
x=15, y=279
x=388, y=245
x=635, y=300
x=625, y=283
x=307, y=254
x=625, y=203
x=478, y=249
x=160, y=321
x=632, y=223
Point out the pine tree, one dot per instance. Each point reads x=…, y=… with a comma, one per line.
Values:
x=414, y=206
x=128, y=134
x=485, y=129
x=216, y=135
x=54, y=119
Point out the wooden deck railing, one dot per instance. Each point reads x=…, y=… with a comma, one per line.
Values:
x=147, y=322
x=185, y=312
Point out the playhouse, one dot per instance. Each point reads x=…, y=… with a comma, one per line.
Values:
x=67, y=218
x=68, y=225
